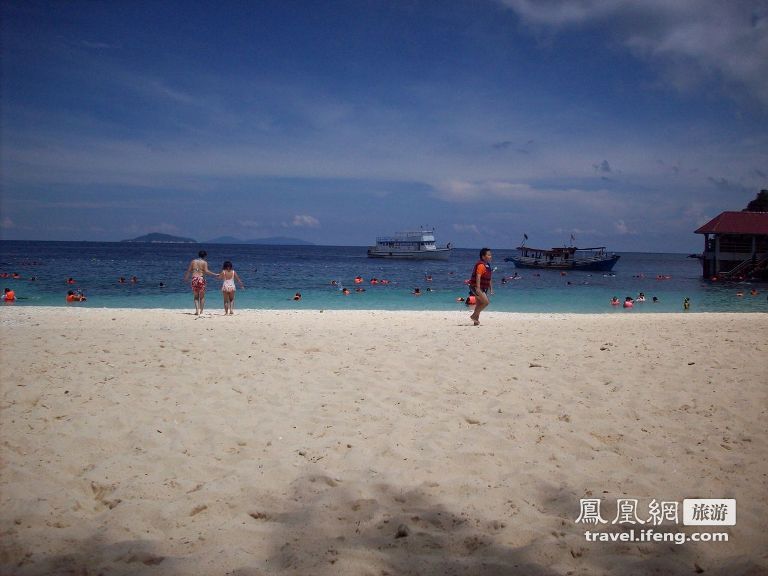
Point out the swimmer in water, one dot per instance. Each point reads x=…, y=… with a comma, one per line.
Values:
x=75, y=296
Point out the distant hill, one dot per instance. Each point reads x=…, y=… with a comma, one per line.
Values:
x=225, y=240
x=272, y=240
x=157, y=238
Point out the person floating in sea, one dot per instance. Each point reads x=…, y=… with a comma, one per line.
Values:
x=628, y=302
x=228, y=275
x=121, y=280
x=9, y=295
x=297, y=296
x=198, y=268
x=134, y=280
x=481, y=284
x=686, y=303
x=615, y=301
x=75, y=296
x=71, y=281
x=345, y=291
x=416, y=292
x=640, y=297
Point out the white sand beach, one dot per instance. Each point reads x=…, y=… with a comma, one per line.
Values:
x=375, y=443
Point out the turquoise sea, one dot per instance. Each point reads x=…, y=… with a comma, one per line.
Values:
x=273, y=274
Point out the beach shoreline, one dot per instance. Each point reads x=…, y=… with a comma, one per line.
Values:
x=372, y=442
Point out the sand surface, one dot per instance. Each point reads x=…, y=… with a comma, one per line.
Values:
x=151, y=442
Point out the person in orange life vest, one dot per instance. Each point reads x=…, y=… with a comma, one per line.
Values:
x=73, y=296
x=481, y=284
x=9, y=295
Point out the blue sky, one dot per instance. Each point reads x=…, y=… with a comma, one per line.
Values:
x=624, y=123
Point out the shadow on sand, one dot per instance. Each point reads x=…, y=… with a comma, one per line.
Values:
x=321, y=526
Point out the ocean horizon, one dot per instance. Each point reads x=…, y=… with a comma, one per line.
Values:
x=273, y=274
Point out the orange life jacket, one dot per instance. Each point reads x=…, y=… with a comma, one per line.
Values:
x=485, y=278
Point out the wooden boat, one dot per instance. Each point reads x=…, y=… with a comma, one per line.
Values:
x=566, y=258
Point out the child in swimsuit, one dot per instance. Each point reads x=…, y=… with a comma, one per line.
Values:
x=228, y=287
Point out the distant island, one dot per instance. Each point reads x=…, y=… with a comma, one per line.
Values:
x=157, y=238
x=272, y=240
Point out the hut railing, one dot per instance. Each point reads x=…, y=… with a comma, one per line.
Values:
x=746, y=266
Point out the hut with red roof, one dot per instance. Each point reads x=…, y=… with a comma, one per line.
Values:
x=736, y=245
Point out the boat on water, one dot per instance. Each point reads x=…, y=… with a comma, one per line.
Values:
x=565, y=258
x=415, y=245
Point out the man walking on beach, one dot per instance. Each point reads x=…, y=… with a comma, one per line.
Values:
x=480, y=285
x=198, y=268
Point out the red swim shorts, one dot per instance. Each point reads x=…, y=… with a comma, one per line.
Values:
x=198, y=284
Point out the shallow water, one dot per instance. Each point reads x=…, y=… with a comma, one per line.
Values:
x=272, y=274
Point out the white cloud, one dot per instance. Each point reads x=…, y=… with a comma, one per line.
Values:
x=96, y=45
x=461, y=191
x=304, y=221
x=472, y=228
x=578, y=231
x=622, y=228
x=470, y=191
x=692, y=38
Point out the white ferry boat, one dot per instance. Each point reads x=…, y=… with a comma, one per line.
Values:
x=418, y=245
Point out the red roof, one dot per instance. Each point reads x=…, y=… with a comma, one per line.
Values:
x=751, y=223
